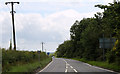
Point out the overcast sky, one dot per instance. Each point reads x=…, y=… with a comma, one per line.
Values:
x=47, y=21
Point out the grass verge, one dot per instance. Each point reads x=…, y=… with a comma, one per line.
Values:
x=105, y=65
x=30, y=67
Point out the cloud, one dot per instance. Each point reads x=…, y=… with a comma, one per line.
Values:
x=96, y=1
x=33, y=28
x=45, y=0
x=44, y=20
x=60, y=0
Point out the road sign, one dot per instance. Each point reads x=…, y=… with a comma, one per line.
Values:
x=106, y=42
x=48, y=53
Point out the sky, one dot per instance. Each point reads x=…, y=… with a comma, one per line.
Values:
x=47, y=21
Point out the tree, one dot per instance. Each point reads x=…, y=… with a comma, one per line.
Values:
x=111, y=19
x=65, y=49
x=85, y=35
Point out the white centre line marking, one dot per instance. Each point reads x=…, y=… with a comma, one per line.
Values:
x=66, y=66
x=75, y=70
x=71, y=66
x=65, y=70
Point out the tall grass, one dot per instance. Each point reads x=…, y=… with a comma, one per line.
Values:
x=30, y=67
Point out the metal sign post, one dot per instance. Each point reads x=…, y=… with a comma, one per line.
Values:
x=103, y=48
x=106, y=43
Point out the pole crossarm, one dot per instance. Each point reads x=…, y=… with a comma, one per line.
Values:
x=11, y=2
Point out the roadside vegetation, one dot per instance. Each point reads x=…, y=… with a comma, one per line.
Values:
x=85, y=34
x=30, y=67
x=23, y=61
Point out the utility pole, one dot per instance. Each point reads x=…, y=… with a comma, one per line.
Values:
x=12, y=3
x=10, y=48
x=103, y=48
x=42, y=46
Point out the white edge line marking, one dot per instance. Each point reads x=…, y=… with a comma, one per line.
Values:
x=45, y=67
x=75, y=70
x=105, y=69
x=87, y=64
x=100, y=68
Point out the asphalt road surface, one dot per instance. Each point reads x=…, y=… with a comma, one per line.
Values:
x=72, y=66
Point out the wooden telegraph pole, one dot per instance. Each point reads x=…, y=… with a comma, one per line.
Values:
x=12, y=12
x=42, y=46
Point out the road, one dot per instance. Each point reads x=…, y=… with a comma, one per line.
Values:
x=68, y=65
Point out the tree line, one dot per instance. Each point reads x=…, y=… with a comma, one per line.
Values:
x=85, y=34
